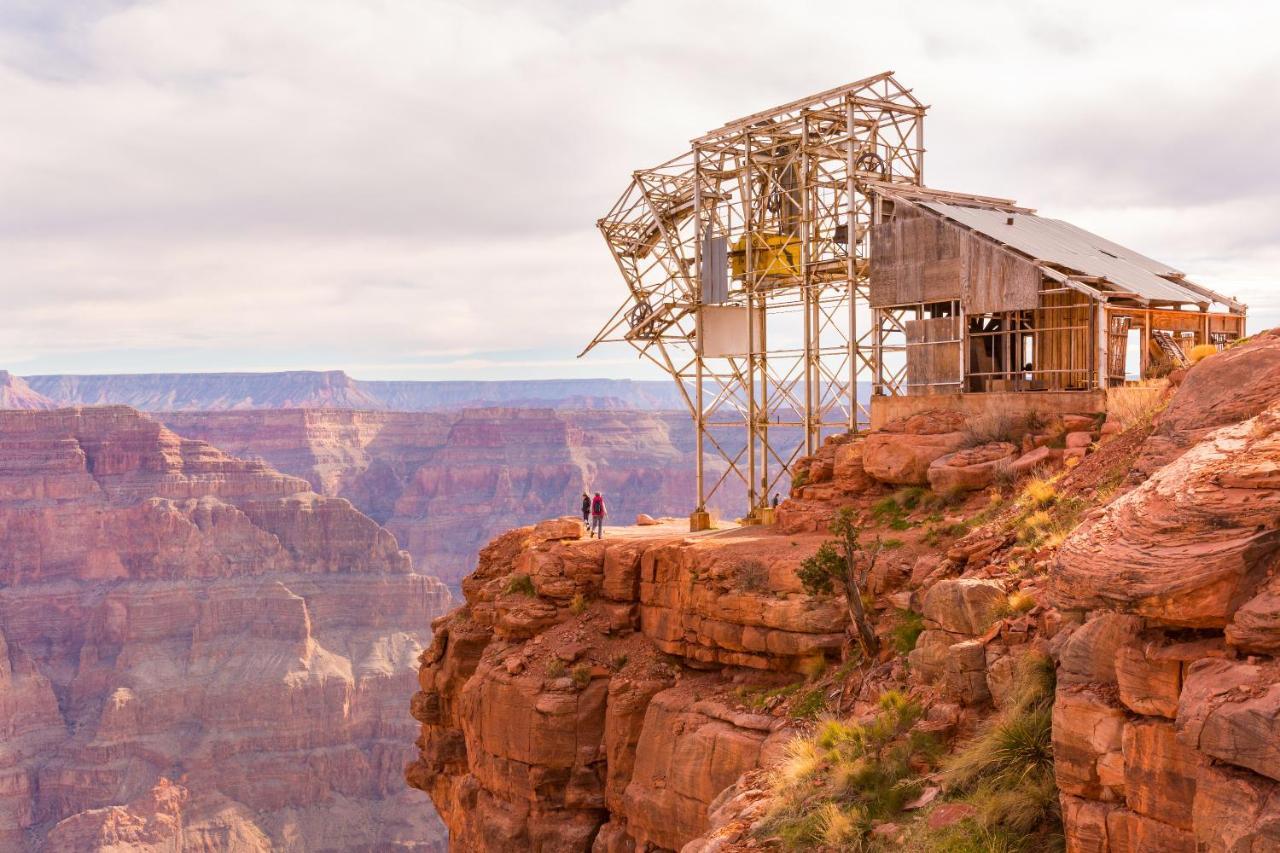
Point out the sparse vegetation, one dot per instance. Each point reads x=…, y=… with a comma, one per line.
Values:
x=752, y=575
x=906, y=631
x=800, y=479
x=892, y=544
x=521, y=584
x=1201, y=352
x=989, y=428
x=581, y=675
x=578, y=604
x=1136, y=408
x=835, y=783
x=1006, y=773
x=555, y=668
x=1017, y=603
x=619, y=661
x=810, y=705
x=846, y=562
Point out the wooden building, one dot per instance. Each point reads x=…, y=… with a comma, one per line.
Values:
x=972, y=294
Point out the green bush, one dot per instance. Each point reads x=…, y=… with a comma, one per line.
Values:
x=521, y=585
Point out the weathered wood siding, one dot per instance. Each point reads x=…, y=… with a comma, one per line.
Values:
x=915, y=257
x=919, y=256
x=933, y=355
x=993, y=279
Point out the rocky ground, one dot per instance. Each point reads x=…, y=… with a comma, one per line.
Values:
x=196, y=651
x=1077, y=618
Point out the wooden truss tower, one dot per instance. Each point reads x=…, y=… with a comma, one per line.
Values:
x=745, y=260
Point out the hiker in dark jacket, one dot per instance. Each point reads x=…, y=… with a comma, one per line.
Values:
x=598, y=512
x=586, y=508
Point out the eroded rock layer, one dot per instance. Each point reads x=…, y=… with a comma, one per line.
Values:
x=196, y=652
x=1172, y=746
x=445, y=483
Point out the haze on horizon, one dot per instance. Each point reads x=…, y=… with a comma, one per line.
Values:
x=408, y=189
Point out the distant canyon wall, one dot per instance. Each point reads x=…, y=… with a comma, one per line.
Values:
x=445, y=483
x=196, y=651
x=163, y=392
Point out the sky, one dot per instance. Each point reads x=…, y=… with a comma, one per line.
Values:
x=408, y=189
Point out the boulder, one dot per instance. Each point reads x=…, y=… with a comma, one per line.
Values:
x=1079, y=439
x=1148, y=686
x=848, y=472
x=963, y=605
x=1088, y=731
x=558, y=528
x=1040, y=457
x=1231, y=711
x=1088, y=656
x=1085, y=823
x=900, y=454
x=1078, y=423
x=929, y=658
x=971, y=469
x=646, y=520
x=1235, y=811
x=1189, y=545
x=965, y=673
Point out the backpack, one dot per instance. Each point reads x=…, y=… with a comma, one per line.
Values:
x=597, y=506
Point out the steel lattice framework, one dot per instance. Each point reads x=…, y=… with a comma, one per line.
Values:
x=768, y=215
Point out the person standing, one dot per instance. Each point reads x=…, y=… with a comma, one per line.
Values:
x=598, y=512
x=586, y=508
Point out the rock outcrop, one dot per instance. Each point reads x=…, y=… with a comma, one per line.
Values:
x=582, y=697
x=1165, y=728
x=196, y=652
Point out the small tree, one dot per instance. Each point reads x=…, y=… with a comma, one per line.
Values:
x=847, y=562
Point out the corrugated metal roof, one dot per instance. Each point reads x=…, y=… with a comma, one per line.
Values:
x=1074, y=248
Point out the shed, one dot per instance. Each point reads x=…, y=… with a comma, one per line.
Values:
x=972, y=294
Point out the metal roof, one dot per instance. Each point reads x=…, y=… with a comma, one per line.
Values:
x=1053, y=242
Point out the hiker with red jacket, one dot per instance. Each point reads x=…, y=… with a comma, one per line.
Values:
x=598, y=512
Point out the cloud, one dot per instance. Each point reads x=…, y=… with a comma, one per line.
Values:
x=384, y=183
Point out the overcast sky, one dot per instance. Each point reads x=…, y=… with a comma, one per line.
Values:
x=408, y=188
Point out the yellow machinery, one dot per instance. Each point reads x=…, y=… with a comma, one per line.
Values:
x=774, y=255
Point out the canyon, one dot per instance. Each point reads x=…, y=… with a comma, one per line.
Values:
x=197, y=652
x=156, y=392
x=1075, y=650
x=446, y=482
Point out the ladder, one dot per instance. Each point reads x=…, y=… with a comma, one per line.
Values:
x=1170, y=347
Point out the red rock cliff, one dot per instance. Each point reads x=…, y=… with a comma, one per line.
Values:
x=196, y=652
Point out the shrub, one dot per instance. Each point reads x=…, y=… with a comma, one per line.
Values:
x=811, y=705
x=752, y=575
x=892, y=544
x=521, y=585
x=619, y=661
x=578, y=605
x=907, y=631
x=1201, y=352
x=846, y=777
x=997, y=426
x=581, y=675
x=1039, y=493
x=555, y=668
x=1134, y=409
x=844, y=562
x=801, y=478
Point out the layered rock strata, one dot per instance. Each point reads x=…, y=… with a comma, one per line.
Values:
x=582, y=697
x=196, y=652
x=1165, y=726
x=446, y=483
